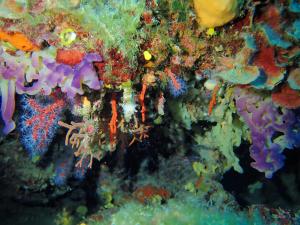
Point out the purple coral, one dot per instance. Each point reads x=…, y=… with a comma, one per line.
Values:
x=272, y=130
x=43, y=73
x=267, y=160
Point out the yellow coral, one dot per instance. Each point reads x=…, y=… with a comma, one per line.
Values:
x=211, y=32
x=67, y=37
x=86, y=103
x=147, y=55
x=216, y=12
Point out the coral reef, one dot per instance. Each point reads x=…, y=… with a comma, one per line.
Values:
x=179, y=212
x=151, y=101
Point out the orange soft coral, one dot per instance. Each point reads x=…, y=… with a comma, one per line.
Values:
x=18, y=40
x=69, y=57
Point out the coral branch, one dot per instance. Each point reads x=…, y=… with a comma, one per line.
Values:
x=113, y=121
x=80, y=140
x=213, y=100
x=142, y=102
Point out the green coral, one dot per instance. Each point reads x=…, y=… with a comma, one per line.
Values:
x=180, y=113
x=115, y=22
x=187, y=211
x=64, y=218
x=229, y=126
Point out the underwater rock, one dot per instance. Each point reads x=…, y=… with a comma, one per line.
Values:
x=294, y=6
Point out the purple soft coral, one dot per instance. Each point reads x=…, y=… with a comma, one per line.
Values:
x=44, y=73
x=267, y=160
x=272, y=130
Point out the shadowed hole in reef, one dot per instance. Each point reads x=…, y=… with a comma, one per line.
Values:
x=251, y=187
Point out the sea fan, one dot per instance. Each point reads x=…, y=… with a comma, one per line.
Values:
x=38, y=120
x=177, y=86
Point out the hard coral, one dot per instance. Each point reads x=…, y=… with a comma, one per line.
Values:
x=82, y=136
x=266, y=61
x=287, y=97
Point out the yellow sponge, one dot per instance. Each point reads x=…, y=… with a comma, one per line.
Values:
x=214, y=13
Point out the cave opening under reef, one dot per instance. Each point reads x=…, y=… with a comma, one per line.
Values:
x=149, y=112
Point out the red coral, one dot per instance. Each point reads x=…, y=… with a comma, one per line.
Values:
x=147, y=16
x=47, y=114
x=113, y=121
x=266, y=60
x=271, y=16
x=244, y=22
x=120, y=70
x=287, y=97
x=145, y=193
x=69, y=57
